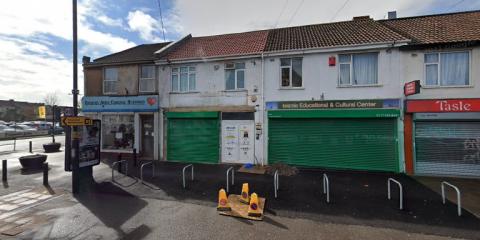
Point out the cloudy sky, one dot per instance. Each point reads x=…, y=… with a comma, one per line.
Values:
x=35, y=36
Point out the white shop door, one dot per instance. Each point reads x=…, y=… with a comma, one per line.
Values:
x=237, y=141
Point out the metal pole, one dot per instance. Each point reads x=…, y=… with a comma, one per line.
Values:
x=4, y=170
x=135, y=157
x=75, y=163
x=30, y=147
x=45, y=174
x=53, y=123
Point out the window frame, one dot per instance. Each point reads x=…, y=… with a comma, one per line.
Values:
x=290, y=77
x=339, y=84
x=153, y=79
x=439, y=65
x=236, y=70
x=103, y=138
x=105, y=80
x=179, y=81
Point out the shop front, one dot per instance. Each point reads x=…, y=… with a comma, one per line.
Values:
x=443, y=136
x=343, y=134
x=210, y=137
x=128, y=123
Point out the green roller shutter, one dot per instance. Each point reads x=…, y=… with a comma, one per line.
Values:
x=193, y=137
x=447, y=148
x=343, y=143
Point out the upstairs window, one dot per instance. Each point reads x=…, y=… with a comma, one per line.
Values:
x=110, y=78
x=234, y=76
x=291, y=72
x=447, y=69
x=183, y=79
x=358, y=69
x=147, y=79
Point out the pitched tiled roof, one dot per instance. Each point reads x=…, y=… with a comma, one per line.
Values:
x=361, y=30
x=144, y=52
x=220, y=45
x=442, y=28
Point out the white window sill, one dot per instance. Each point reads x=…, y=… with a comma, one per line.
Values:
x=192, y=92
x=111, y=93
x=359, y=86
x=291, y=88
x=453, y=86
x=235, y=90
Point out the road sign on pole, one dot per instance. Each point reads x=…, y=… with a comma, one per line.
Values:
x=76, y=121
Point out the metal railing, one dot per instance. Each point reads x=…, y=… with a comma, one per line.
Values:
x=230, y=170
x=116, y=163
x=459, y=201
x=183, y=174
x=143, y=166
x=400, y=188
x=326, y=187
x=275, y=183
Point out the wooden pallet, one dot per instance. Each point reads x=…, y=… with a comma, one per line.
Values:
x=240, y=209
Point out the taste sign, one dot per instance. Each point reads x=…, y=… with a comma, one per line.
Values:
x=444, y=105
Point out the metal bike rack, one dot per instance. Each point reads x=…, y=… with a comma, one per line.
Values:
x=183, y=174
x=400, y=188
x=230, y=170
x=326, y=187
x=459, y=202
x=275, y=183
x=146, y=164
x=116, y=163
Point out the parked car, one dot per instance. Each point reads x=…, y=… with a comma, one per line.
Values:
x=58, y=130
x=6, y=131
x=24, y=130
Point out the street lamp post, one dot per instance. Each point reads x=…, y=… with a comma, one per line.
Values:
x=75, y=162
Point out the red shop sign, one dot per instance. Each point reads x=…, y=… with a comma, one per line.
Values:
x=443, y=105
x=411, y=88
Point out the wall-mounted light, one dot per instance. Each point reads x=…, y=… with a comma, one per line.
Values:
x=216, y=67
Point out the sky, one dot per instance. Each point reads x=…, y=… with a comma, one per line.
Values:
x=36, y=36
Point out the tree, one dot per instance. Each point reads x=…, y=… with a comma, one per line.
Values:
x=51, y=99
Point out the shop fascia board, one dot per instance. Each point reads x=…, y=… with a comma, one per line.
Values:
x=337, y=113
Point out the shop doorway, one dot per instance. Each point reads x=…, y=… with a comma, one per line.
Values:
x=148, y=136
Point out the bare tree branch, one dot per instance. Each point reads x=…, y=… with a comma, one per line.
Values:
x=51, y=99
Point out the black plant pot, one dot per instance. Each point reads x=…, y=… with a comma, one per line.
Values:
x=51, y=147
x=33, y=161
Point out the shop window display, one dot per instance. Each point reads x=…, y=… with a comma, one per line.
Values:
x=118, y=132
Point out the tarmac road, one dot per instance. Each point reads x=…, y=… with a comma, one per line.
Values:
x=23, y=143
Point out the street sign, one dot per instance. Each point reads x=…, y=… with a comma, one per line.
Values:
x=411, y=88
x=41, y=112
x=76, y=121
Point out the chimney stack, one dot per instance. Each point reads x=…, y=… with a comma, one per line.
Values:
x=86, y=60
x=392, y=15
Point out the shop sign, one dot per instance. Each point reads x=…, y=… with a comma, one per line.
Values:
x=443, y=105
x=334, y=104
x=411, y=88
x=144, y=103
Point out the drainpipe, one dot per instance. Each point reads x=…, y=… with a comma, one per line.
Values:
x=263, y=109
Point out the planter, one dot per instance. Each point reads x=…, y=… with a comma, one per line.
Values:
x=32, y=161
x=51, y=147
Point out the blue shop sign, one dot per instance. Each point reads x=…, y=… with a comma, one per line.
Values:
x=144, y=103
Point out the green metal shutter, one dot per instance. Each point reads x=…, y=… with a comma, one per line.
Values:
x=360, y=144
x=194, y=140
x=447, y=148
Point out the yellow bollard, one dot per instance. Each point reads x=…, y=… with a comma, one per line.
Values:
x=223, y=204
x=244, y=196
x=254, y=208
